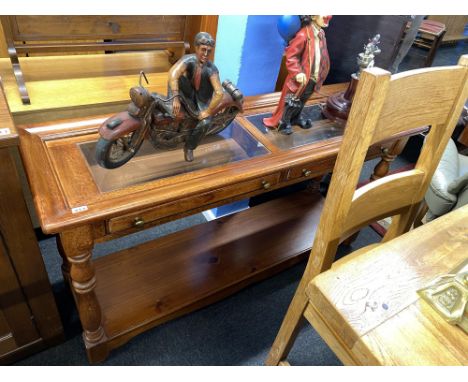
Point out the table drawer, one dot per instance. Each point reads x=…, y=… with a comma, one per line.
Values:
x=142, y=218
x=310, y=170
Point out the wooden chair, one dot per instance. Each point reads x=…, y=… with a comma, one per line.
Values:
x=384, y=105
x=430, y=36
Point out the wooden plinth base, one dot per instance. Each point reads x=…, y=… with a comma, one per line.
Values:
x=338, y=105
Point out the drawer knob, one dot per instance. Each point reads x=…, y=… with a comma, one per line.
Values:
x=138, y=222
x=266, y=185
x=306, y=172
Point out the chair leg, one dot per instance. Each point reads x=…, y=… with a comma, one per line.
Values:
x=401, y=223
x=432, y=51
x=423, y=208
x=350, y=240
x=295, y=314
x=289, y=328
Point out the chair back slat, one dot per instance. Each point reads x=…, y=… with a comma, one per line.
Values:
x=382, y=198
x=418, y=98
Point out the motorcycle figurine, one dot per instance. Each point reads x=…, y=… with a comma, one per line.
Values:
x=147, y=116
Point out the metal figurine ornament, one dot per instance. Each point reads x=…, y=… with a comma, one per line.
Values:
x=338, y=105
x=366, y=59
x=308, y=64
x=197, y=105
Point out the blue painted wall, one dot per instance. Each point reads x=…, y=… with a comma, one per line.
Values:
x=249, y=51
x=229, y=44
x=261, y=58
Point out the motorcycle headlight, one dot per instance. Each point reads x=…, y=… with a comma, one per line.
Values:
x=140, y=96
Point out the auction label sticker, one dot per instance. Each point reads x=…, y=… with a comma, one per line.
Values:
x=79, y=209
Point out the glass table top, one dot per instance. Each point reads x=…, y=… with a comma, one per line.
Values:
x=231, y=145
x=321, y=129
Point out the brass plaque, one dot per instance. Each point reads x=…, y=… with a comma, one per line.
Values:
x=448, y=295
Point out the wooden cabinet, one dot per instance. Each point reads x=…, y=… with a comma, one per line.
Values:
x=29, y=320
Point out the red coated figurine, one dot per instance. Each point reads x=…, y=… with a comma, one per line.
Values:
x=308, y=64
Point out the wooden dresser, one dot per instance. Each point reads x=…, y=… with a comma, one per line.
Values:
x=29, y=319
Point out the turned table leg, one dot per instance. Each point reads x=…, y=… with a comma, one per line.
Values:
x=65, y=263
x=77, y=245
x=388, y=156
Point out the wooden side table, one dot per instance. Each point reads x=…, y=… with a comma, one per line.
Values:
x=29, y=320
x=368, y=311
x=130, y=291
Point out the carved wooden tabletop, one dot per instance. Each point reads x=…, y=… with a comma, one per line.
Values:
x=373, y=305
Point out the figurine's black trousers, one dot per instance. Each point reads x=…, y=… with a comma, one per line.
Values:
x=197, y=133
x=292, y=112
x=309, y=89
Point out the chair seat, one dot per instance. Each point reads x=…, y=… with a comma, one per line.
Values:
x=431, y=27
x=430, y=37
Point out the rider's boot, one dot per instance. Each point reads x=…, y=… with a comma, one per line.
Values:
x=188, y=154
x=195, y=137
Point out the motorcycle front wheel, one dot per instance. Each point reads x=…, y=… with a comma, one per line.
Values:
x=115, y=153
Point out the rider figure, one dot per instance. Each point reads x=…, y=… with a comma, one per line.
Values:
x=194, y=81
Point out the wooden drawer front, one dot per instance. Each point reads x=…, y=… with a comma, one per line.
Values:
x=140, y=219
x=309, y=170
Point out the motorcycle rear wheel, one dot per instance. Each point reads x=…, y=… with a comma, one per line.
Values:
x=115, y=153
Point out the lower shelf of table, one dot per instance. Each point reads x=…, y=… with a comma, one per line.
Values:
x=143, y=286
